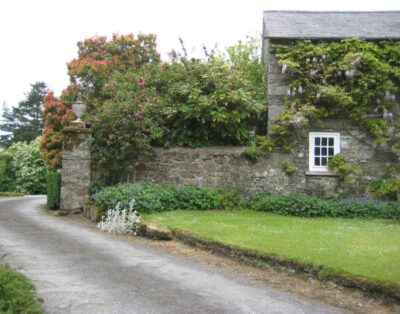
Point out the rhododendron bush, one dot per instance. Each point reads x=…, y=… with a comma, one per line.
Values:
x=99, y=58
x=136, y=101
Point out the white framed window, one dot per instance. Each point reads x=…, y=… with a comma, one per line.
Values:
x=323, y=146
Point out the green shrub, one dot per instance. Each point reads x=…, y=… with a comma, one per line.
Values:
x=151, y=197
x=23, y=169
x=53, y=181
x=7, y=176
x=193, y=197
x=17, y=294
x=308, y=206
x=96, y=186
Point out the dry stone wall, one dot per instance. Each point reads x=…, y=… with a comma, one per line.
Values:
x=220, y=167
x=226, y=167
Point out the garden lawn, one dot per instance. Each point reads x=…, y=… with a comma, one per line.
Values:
x=361, y=247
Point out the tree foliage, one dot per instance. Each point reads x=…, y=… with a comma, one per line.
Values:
x=135, y=101
x=98, y=58
x=244, y=56
x=208, y=102
x=58, y=115
x=24, y=123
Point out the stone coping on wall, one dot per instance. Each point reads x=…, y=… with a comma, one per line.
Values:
x=322, y=173
x=207, y=150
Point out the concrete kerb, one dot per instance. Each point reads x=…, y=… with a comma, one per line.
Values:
x=254, y=258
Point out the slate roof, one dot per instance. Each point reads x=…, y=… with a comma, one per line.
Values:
x=335, y=25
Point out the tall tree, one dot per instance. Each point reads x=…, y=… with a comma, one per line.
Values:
x=24, y=122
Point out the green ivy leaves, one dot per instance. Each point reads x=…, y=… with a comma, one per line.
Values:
x=352, y=78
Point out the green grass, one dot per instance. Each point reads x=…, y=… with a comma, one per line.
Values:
x=366, y=248
x=11, y=194
x=17, y=293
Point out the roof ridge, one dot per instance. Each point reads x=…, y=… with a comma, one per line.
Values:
x=332, y=24
x=334, y=11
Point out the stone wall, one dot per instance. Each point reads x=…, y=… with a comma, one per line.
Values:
x=75, y=174
x=221, y=167
x=225, y=167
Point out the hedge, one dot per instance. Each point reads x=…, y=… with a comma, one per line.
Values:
x=152, y=197
x=53, y=181
x=309, y=206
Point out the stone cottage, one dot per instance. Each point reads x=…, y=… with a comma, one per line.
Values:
x=318, y=142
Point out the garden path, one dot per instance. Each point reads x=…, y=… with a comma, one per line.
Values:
x=79, y=269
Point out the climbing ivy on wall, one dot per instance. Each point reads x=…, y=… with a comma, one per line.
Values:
x=354, y=78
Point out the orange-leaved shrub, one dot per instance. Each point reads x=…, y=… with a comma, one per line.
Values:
x=57, y=116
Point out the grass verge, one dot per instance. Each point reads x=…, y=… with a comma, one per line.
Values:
x=11, y=194
x=354, y=252
x=17, y=293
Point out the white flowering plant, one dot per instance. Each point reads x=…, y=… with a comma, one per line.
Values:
x=121, y=220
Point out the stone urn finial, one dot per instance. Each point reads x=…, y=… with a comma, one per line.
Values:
x=79, y=109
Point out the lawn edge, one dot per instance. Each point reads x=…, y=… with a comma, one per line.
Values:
x=29, y=289
x=11, y=194
x=255, y=258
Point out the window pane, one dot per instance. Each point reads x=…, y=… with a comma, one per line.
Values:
x=317, y=141
x=323, y=161
x=316, y=161
x=330, y=151
x=317, y=151
x=331, y=140
x=324, y=141
x=324, y=151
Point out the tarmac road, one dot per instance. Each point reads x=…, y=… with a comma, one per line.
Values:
x=78, y=269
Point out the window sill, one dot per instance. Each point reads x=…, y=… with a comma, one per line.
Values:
x=322, y=173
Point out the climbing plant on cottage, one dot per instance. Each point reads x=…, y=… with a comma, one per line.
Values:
x=353, y=78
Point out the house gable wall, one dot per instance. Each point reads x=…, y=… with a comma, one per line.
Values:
x=356, y=144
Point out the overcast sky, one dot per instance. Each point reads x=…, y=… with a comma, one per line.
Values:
x=38, y=37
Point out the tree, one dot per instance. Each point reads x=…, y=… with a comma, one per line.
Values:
x=24, y=123
x=98, y=58
x=135, y=101
x=58, y=115
x=245, y=57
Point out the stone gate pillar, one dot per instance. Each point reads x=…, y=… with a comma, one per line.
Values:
x=75, y=174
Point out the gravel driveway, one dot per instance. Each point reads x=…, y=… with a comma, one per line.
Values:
x=79, y=269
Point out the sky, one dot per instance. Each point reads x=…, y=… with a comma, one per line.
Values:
x=38, y=37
